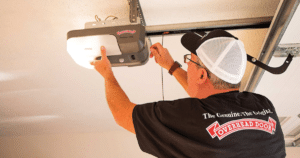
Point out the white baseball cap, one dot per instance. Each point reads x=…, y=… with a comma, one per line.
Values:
x=221, y=52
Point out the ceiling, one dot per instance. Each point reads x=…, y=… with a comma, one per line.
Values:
x=44, y=91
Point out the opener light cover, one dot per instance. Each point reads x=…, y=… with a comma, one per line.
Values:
x=83, y=50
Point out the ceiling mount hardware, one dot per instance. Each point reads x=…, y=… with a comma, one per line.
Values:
x=277, y=70
x=133, y=11
x=284, y=14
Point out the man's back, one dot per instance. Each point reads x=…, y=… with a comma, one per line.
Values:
x=229, y=124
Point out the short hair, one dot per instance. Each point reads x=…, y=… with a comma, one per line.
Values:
x=216, y=81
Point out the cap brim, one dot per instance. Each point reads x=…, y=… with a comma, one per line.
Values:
x=192, y=41
x=189, y=41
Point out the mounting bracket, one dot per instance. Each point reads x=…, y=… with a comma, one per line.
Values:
x=133, y=11
x=283, y=50
x=278, y=70
x=136, y=11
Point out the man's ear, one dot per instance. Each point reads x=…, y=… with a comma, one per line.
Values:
x=201, y=76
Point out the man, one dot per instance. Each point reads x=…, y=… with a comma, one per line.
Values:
x=217, y=121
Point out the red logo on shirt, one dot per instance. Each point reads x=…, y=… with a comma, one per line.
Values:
x=243, y=124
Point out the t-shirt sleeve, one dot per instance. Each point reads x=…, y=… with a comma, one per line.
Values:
x=148, y=128
x=154, y=122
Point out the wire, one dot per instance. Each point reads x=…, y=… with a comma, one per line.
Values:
x=114, y=17
x=162, y=74
x=97, y=18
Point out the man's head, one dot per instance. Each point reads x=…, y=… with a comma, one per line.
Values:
x=218, y=58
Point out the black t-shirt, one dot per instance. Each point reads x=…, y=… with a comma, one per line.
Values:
x=224, y=125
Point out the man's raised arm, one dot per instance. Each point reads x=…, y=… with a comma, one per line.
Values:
x=120, y=105
x=164, y=59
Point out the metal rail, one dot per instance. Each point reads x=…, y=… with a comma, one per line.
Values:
x=247, y=23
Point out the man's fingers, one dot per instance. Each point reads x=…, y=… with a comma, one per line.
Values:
x=158, y=47
x=151, y=54
x=154, y=52
x=157, y=59
x=92, y=62
x=103, y=55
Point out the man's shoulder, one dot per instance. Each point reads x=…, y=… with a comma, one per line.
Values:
x=236, y=95
x=181, y=101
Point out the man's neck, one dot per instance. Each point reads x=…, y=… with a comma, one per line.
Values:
x=208, y=90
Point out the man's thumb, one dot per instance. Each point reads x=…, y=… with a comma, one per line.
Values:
x=103, y=51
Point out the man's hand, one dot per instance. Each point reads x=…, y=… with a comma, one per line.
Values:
x=162, y=56
x=103, y=66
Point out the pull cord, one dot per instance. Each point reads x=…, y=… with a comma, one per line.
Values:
x=162, y=74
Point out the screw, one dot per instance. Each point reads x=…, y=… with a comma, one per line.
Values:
x=299, y=115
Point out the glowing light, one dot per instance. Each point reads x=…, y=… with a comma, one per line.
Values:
x=83, y=50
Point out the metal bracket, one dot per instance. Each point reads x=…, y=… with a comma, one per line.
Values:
x=133, y=11
x=277, y=70
x=283, y=50
x=136, y=11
